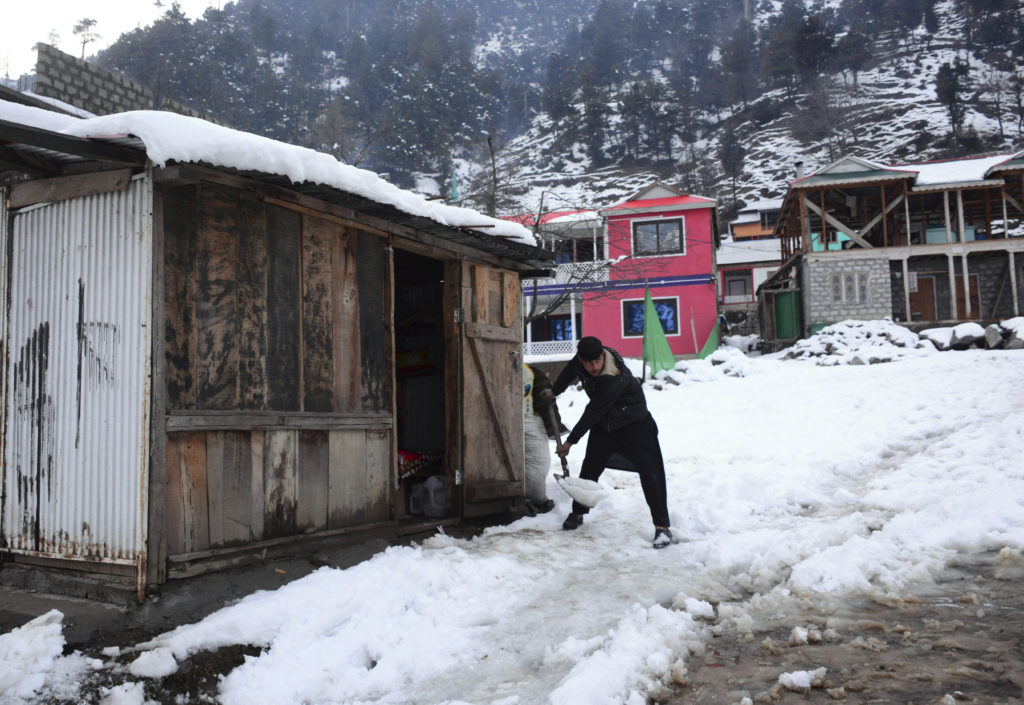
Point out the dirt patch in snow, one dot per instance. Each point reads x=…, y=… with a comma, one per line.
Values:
x=960, y=640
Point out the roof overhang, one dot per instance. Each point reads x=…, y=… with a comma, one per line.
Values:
x=853, y=178
x=958, y=185
x=43, y=153
x=635, y=210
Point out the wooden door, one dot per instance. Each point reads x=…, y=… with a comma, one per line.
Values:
x=492, y=381
x=922, y=301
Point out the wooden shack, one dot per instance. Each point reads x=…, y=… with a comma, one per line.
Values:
x=203, y=363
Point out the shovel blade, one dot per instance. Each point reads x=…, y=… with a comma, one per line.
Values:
x=586, y=492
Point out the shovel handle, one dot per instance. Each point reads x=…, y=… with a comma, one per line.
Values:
x=558, y=437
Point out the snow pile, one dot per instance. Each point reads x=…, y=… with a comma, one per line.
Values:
x=31, y=662
x=857, y=343
x=803, y=681
x=743, y=343
x=154, y=664
x=126, y=694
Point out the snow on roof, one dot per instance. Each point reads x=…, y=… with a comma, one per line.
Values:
x=737, y=252
x=765, y=205
x=573, y=217
x=34, y=117
x=924, y=175
x=171, y=137
x=953, y=171
x=746, y=217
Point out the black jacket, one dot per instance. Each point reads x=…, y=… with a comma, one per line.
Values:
x=616, y=397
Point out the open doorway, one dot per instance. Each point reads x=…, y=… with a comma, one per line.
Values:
x=420, y=386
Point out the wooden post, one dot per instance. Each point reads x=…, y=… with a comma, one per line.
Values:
x=960, y=224
x=824, y=225
x=1006, y=216
x=945, y=205
x=156, y=543
x=805, y=233
x=967, y=288
x=885, y=220
x=906, y=212
x=988, y=216
x=906, y=288
x=952, y=288
x=1013, y=283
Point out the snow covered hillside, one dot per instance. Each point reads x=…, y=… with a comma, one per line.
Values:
x=791, y=483
x=888, y=111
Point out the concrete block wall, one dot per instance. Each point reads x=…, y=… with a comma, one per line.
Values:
x=817, y=290
x=991, y=269
x=95, y=89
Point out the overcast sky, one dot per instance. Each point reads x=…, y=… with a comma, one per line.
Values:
x=25, y=22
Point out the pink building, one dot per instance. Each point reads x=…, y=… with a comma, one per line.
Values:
x=660, y=236
x=666, y=239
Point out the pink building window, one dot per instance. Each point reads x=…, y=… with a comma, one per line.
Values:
x=633, y=316
x=659, y=237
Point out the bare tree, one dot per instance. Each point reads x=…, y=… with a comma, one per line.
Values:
x=336, y=131
x=85, y=30
x=995, y=85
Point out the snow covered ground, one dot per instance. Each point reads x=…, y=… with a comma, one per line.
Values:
x=790, y=481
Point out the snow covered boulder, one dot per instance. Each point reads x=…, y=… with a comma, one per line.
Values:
x=994, y=336
x=1014, y=328
x=965, y=335
x=941, y=338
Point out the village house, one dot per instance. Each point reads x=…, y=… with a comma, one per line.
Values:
x=926, y=244
x=747, y=255
x=661, y=238
x=217, y=347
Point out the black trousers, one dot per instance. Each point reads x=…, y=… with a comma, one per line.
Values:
x=638, y=442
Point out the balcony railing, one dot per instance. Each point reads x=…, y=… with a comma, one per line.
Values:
x=550, y=347
x=571, y=272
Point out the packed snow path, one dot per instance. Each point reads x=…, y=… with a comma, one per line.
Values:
x=789, y=483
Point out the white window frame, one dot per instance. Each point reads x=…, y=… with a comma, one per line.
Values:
x=850, y=288
x=622, y=316
x=649, y=221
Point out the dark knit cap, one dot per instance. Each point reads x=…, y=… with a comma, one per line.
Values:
x=589, y=348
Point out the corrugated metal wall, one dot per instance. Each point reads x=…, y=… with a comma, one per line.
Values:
x=78, y=377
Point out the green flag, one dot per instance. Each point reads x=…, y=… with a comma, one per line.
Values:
x=657, y=353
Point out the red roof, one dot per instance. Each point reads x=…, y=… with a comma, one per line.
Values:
x=660, y=203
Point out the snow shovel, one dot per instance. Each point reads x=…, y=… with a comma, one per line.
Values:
x=586, y=492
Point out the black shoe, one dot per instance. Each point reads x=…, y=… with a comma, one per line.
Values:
x=546, y=506
x=572, y=522
x=662, y=537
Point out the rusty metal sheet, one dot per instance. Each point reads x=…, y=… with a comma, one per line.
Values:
x=77, y=404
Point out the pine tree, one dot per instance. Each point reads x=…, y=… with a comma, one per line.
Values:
x=951, y=81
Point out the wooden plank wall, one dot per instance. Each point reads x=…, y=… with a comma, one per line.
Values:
x=231, y=488
x=272, y=309
x=268, y=309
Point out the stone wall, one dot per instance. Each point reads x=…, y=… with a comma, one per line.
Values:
x=94, y=89
x=819, y=299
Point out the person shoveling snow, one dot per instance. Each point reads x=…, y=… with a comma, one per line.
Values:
x=619, y=423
